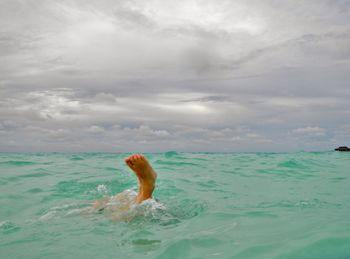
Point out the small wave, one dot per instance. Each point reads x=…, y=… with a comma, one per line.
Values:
x=35, y=190
x=17, y=163
x=76, y=158
x=171, y=154
x=8, y=227
x=260, y=214
x=174, y=163
x=184, y=247
x=34, y=175
x=113, y=169
x=314, y=203
x=186, y=209
x=330, y=247
x=71, y=187
x=293, y=164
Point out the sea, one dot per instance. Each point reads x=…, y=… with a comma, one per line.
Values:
x=205, y=205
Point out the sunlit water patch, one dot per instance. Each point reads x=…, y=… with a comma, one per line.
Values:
x=206, y=205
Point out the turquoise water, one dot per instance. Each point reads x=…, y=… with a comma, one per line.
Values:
x=239, y=205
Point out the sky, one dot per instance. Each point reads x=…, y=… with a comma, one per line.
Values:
x=160, y=75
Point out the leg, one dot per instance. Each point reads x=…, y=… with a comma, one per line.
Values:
x=145, y=174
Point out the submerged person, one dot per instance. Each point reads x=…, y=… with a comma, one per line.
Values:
x=120, y=205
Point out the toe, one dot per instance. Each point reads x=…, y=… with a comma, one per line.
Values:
x=133, y=158
x=129, y=163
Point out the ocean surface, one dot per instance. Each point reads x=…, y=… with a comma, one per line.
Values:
x=209, y=205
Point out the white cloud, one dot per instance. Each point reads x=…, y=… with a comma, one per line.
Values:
x=161, y=133
x=189, y=75
x=95, y=129
x=310, y=131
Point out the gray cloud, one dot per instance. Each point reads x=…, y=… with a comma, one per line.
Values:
x=159, y=75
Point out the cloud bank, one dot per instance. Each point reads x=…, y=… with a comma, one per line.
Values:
x=152, y=76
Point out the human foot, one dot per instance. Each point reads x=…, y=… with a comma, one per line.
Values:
x=145, y=174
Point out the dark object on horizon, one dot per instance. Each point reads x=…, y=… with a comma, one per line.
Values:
x=342, y=149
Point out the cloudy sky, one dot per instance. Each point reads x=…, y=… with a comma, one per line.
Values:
x=158, y=75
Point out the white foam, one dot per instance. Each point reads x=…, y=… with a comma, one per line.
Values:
x=49, y=215
x=4, y=223
x=74, y=212
x=64, y=206
x=154, y=204
x=120, y=206
x=102, y=189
